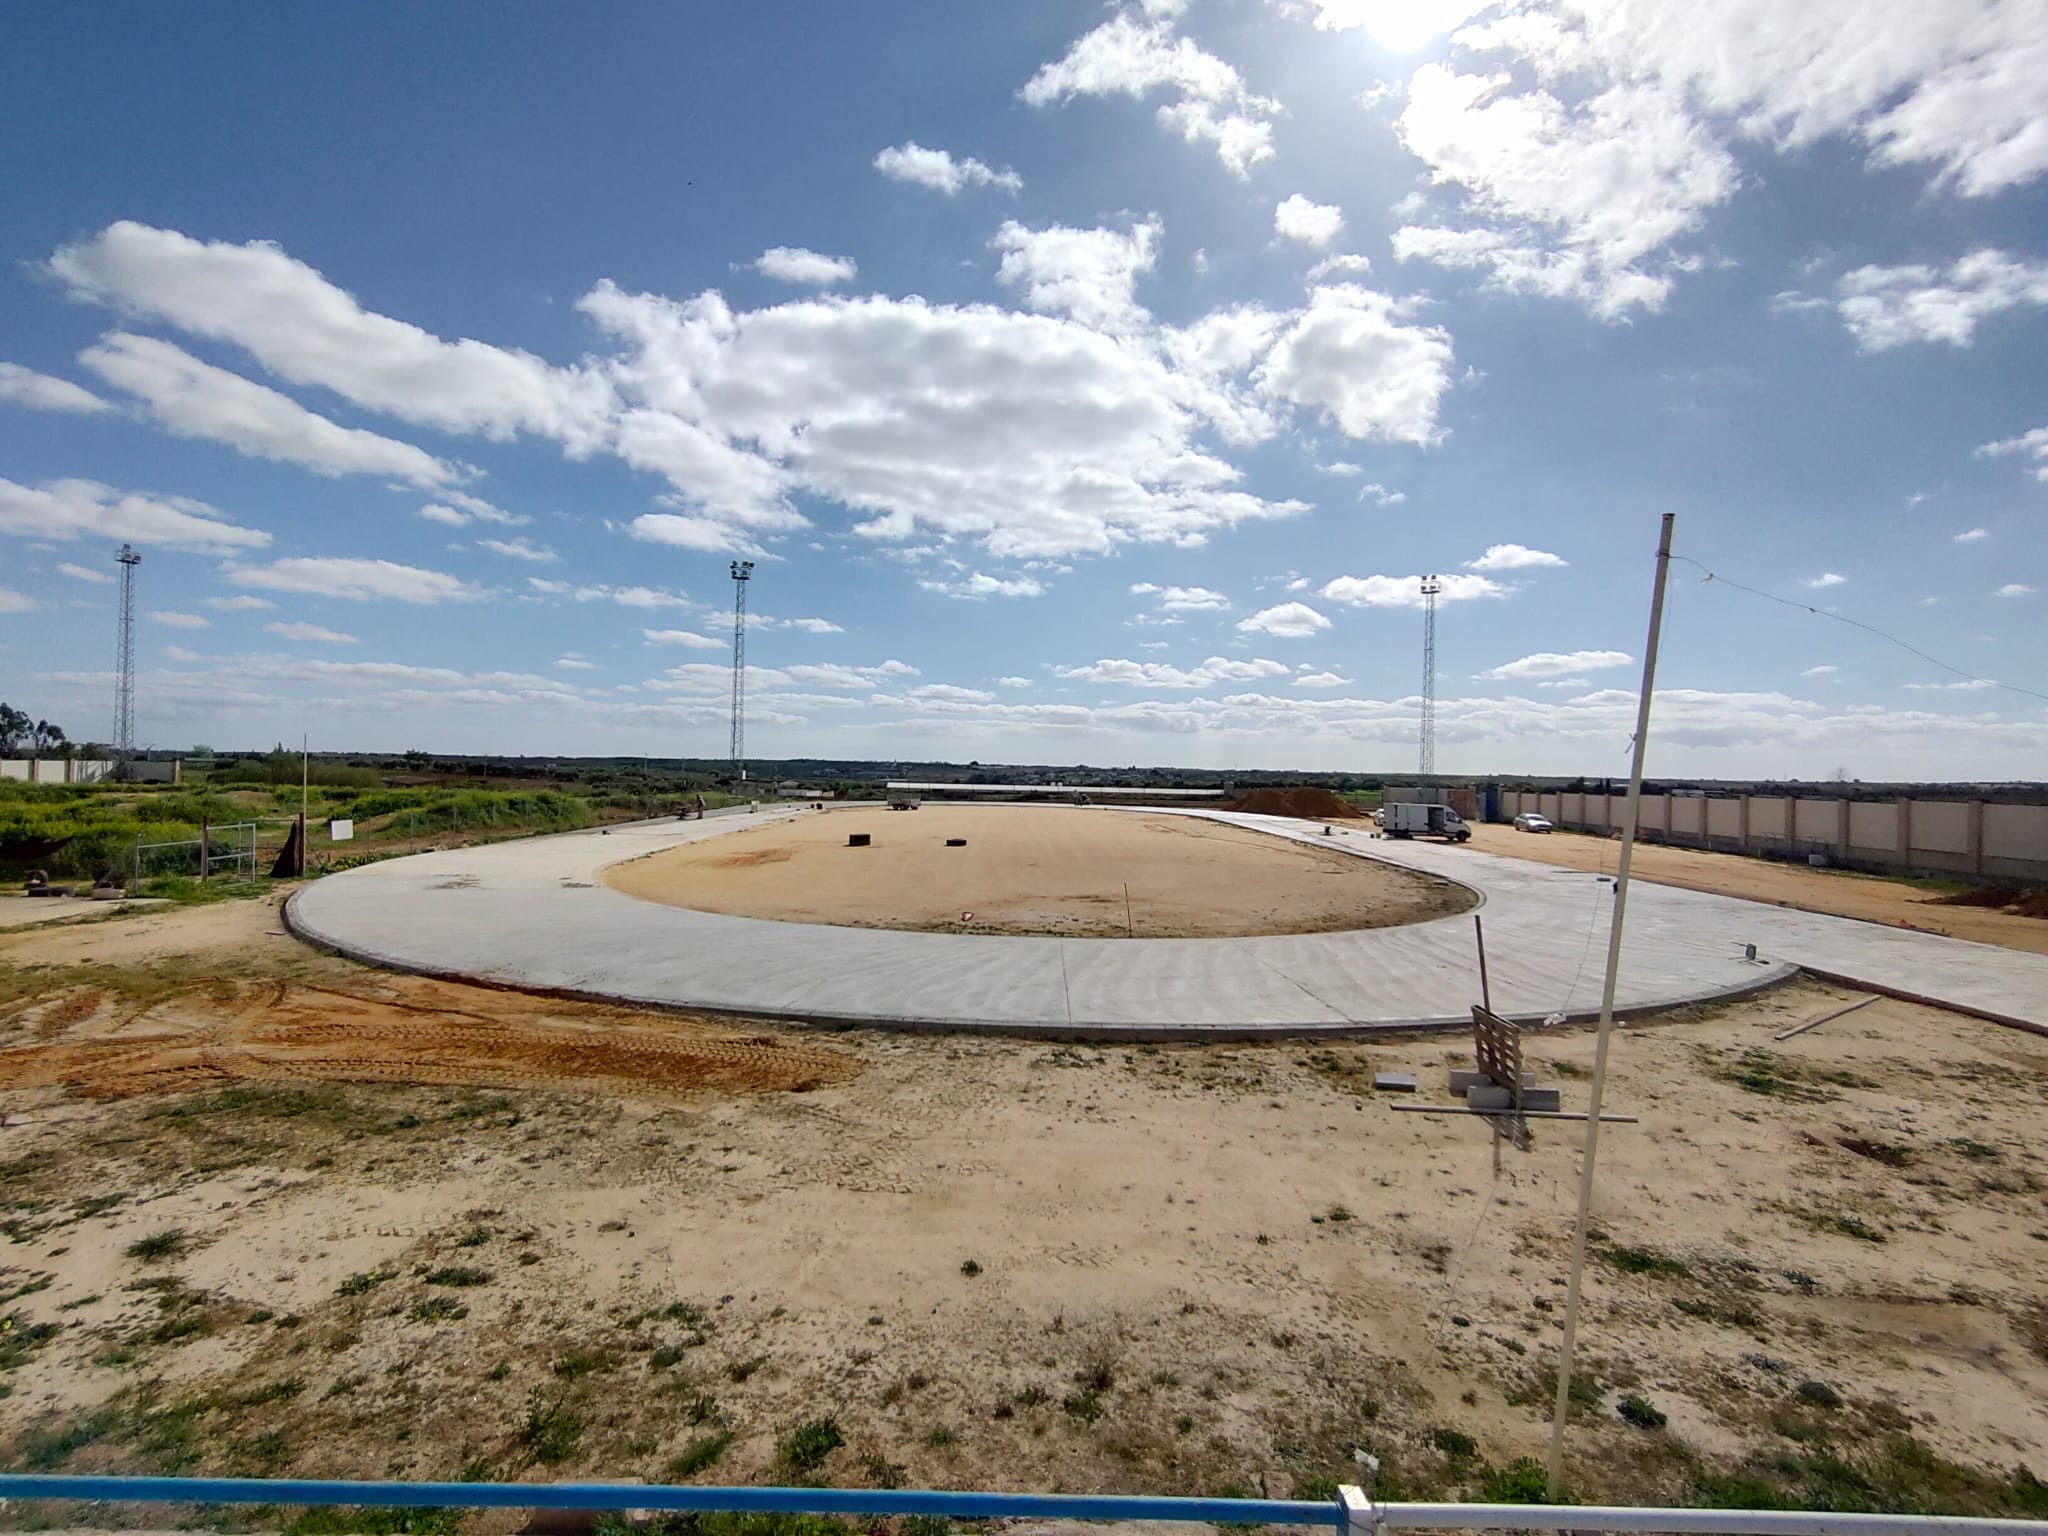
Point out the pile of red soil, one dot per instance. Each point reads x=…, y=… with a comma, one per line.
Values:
x=1302, y=800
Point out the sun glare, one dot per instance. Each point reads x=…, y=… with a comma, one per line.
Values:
x=1405, y=26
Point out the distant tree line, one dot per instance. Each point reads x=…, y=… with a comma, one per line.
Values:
x=38, y=738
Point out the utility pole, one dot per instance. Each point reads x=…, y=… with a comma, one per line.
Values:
x=742, y=572
x=124, y=671
x=1431, y=586
x=1628, y=845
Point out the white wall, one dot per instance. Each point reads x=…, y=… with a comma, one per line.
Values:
x=1874, y=825
x=1816, y=821
x=56, y=770
x=1941, y=826
x=2016, y=832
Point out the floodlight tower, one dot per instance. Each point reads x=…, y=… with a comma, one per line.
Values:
x=124, y=671
x=742, y=571
x=1431, y=586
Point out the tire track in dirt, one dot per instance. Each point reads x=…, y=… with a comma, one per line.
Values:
x=417, y=1033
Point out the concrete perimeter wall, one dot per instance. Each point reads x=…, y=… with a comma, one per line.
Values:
x=58, y=770
x=1976, y=838
x=88, y=770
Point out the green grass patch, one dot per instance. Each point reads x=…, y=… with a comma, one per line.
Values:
x=159, y=1246
x=552, y=1430
x=699, y=1455
x=1644, y=1261
x=1897, y=1475
x=457, y=1275
x=802, y=1450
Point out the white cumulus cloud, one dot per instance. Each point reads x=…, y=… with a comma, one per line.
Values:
x=194, y=399
x=312, y=633
x=979, y=585
x=40, y=392
x=1541, y=664
x=2032, y=444
x=1406, y=591
x=1207, y=100
x=1090, y=274
x=1181, y=599
x=355, y=580
x=1158, y=674
x=73, y=509
x=938, y=170
x=1308, y=223
x=1513, y=557
x=687, y=638
x=1825, y=580
x=1887, y=307
x=1352, y=355
x=520, y=549
x=1285, y=621
x=794, y=264
x=1582, y=141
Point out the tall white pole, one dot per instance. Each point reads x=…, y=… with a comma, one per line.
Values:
x=1628, y=843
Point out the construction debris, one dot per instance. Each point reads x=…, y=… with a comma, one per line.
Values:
x=1832, y=1013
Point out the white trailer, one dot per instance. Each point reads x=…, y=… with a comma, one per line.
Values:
x=1408, y=819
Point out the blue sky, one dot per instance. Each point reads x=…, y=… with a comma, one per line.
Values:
x=1089, y=383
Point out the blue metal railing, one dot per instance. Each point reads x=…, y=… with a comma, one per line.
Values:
x=612, y=1496
x=1349, y=1513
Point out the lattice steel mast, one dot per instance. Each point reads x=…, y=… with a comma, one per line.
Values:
x=742, y=571
x=1431, y=586
x=124, y=669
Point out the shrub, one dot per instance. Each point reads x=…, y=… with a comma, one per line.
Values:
x=699, y=1454
x=169, y=1243
x=1454, y=1443
x=551, y=1430
x=1641, y=1412
x=803, y=1449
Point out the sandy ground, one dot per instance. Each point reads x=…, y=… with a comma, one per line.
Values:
x=1841, y=892
x=990, y=1263
x=1036, y=870
x=26, y=911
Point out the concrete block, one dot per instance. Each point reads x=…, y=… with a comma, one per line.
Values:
x=1471, y=1077
x=1393, y=1082
x=1491, y=1096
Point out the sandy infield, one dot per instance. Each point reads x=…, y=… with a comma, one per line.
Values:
x=1036, y=870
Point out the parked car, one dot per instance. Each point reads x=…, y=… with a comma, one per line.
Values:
x=1529, y=821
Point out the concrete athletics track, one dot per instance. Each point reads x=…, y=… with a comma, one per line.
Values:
x=533, y=914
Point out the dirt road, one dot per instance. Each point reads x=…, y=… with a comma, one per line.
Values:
x=1036, y=870
x=1870, y=897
